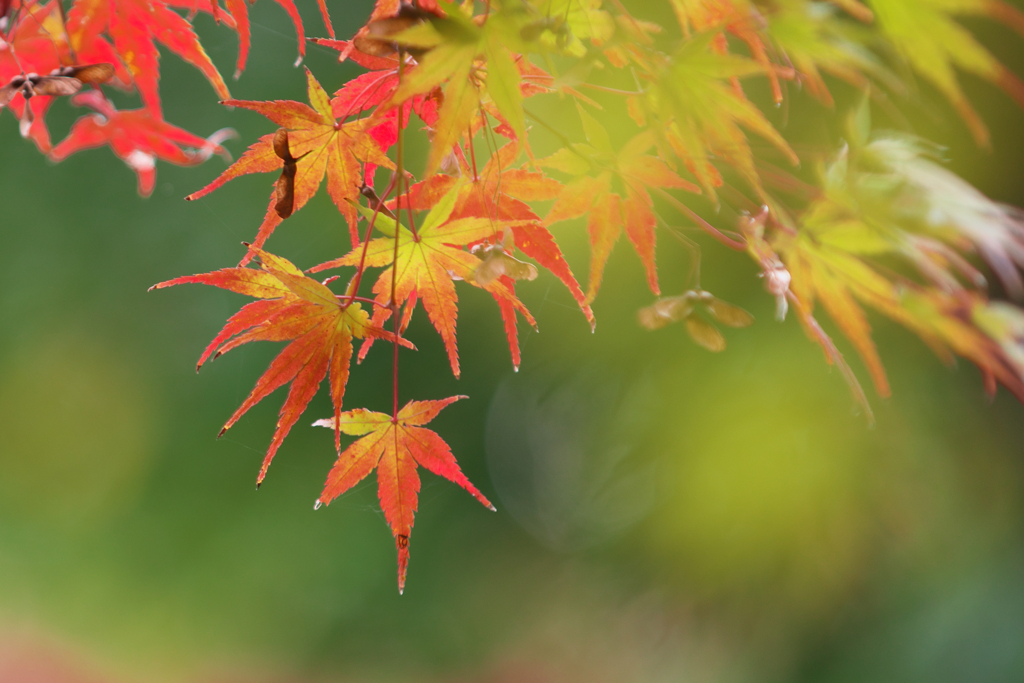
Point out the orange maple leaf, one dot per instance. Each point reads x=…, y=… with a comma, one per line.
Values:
x=395, y=446
x=428, y=261
x=322, y=145
x=296, y=308
x=500, y=193
x=609, y=212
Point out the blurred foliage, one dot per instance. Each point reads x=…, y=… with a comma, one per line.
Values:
x=766, y=533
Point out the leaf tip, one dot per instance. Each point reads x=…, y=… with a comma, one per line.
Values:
x=402, y=541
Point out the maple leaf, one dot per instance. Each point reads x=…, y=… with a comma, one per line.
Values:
x=137, y=138
x=570, y=22
x=427, y=262
x=816, y=39
x=805, y=32
x=323, y=146
x=884, y=197
x=291, y=307
x=962, y=321
x=738, y=17
x=235, y=14
x=697, y=115
x=373, y=90
x=609, y=213
x=835, y=278
x=453, y=45
x=936, y=201
x=395, y=446
x=926, y=35
x=777, y=281
x=29, y=47
x=135, y=26
x=500, y=193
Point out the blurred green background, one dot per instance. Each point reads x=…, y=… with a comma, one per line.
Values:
x=664, y=514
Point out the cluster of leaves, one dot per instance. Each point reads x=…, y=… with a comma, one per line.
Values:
x=466, y=72
x=44, y=37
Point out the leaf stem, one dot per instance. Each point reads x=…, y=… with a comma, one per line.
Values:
x=554, y=131
x=400, y=169
x=701, y=223
x=614, y=91
x=360, y=299
x=472, y=154
x=692, y=247
x=366, y=241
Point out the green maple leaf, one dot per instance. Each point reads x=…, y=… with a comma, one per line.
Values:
x=473, y=63
x=933, y=43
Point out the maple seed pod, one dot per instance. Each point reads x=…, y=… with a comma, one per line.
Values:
x=705, y=334
x=65, y=80
x=284, y=189
x=376, y=203
x=318, y=504
x=684, y=307
x=729, y=315
x=496, y=261
x=664, y=311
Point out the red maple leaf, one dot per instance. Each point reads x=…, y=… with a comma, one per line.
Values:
x=137, y=138
x=30, y=47
x=395, y=446
x=235, y=14
x=296, y=308
x=135, y=26
x=322, y=146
